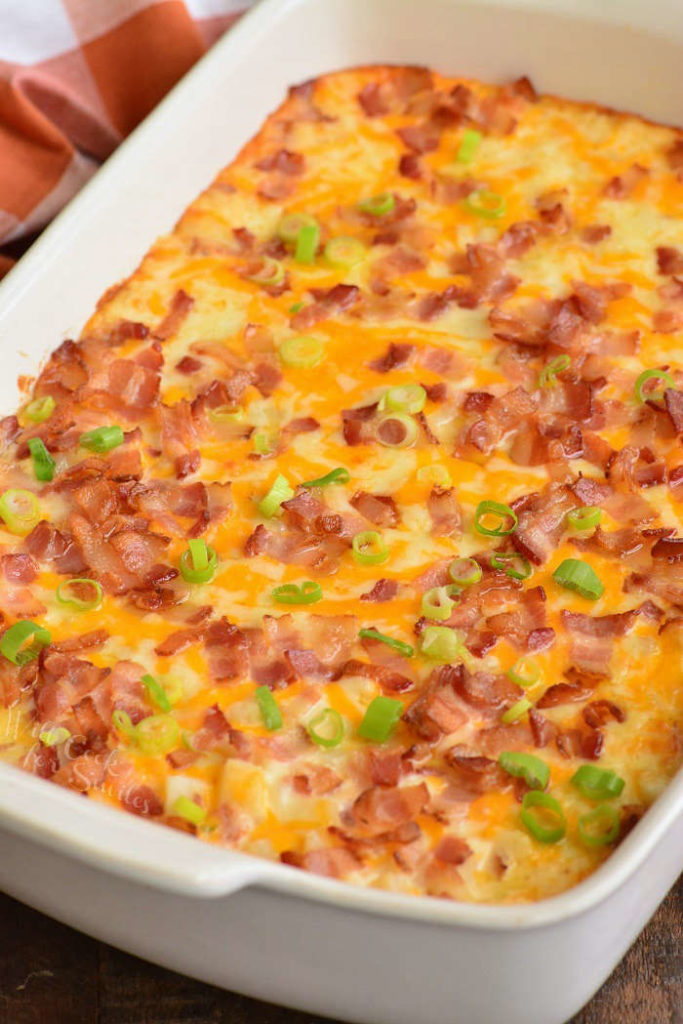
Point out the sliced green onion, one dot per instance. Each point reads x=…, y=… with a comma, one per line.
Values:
x=597, y=783
x=157, y=693
x=43, y=463
x=157, y=734
x=573, y=574
x=307, y=243
x=584, y=518
x=501, y=512
x=380, y=719
x=226, y=414
x=485, y=203
x=379, y=205
x=19, y=510
x=409, y=398
x=516, y=711
x=396, y=430
x=69, y=593
x=368, y=548
x=653, y=396
x=548, y=375
x=289, y=593
x=525, y=672
x=265, y=442
x=434, y=474
x=438, y=603
x=550, y=825
x=340, y=475
x=199, y=562
x=280, y=491
x=517, y=567
x=327, y=728
x=291, y=224
x=101, y=440
x=40, y=409
x=344, y=251
x=188, y=809
x=296, y=307
x=267, y=705
x=123, y=723
x=301, y=351
x=271, y=274
x=599, y=827
x=439, y=643
x=53, y=737
x=465, y=571
x=397, y=645
x=536, y=773
x=469, y=145
x=23, y=642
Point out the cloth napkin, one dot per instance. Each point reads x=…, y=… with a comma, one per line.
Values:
x=76, y=76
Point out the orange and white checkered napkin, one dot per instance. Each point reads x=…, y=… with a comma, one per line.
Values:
x=76, y=76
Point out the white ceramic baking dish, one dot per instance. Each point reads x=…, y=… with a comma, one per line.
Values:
x=246, y=924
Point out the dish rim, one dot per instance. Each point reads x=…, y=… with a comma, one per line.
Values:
x=240, y=870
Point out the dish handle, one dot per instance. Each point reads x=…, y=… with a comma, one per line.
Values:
x=108, y=839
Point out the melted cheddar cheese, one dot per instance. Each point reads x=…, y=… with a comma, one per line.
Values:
x=573, y=253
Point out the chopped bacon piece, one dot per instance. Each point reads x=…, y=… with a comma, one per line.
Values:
x=623, y=185
x=473, y=774
x=452, y=850
x=669, y=260
x=283, y=161
x=396, y=355
x=563, y=693
x=674, y=156
x=382, y=809
x=410, y=166
x=438, y=711
x=421, y=138
x=598, y=713
x=142, y=800
x=444, y=511
x=178, y=311
x=227, y=651
x=18, y=568
x=673, y=401
x=594, y=233
x=373, y=100
x=383, y=590
x=330, y=861
x=327, y=303
x=541, y=522
x=380, y=509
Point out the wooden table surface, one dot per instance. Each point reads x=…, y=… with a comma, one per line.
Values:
x=50, y=974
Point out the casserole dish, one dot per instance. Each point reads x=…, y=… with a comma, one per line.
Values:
x=213, y=875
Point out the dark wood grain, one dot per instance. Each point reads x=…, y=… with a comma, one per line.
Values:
x=50, y=974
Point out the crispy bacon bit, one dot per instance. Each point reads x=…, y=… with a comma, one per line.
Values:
x=598, y=713
x=328, y=301
x=452, y=850
x=18, y=568
x=283, y=161
x=421, y=138
x=669, y=260
x=594, y=233
x=396, y=355
x=541, y=522
x=563, y=693
x=380, y=509
x=410, y=166
x=142, y=800
x=438, y=711
x=383, y=590
x=445, y=512
x=330, y=861
x=673, y=401
x=178, y=311
x=227, y=650
x=372, y=100
x=383, y=809
x=623, y=185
